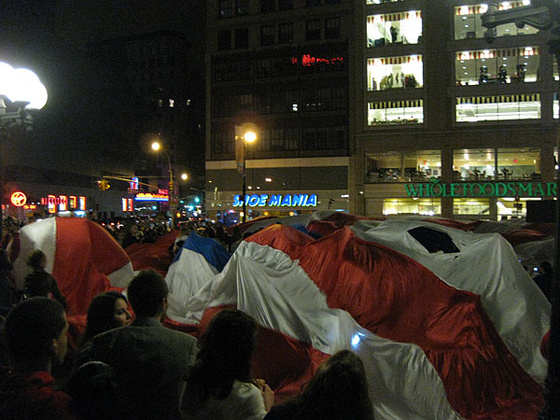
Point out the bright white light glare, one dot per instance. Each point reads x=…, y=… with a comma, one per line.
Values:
x=250, y=136
x=355, y=340
x=22, y=85
x=156, y=145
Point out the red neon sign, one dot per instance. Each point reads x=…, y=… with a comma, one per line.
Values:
x=308, y=60
x=18, y=199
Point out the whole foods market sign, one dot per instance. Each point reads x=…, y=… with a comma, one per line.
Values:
x=482, y=189
x=276, y=200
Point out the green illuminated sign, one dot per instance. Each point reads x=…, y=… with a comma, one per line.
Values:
x=482, y=189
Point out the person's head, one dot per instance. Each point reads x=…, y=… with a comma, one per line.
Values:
x=234, y=334
x=339, y=388
x=546, y=267
x=35, y=333
x=95, y=393
x=225, y=353
x=106, y=311
x=147, y=294
x=37, y=259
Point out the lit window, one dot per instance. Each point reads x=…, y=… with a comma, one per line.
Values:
x=395, y=72
x=394, y=28
x=498, y=108
x=468, y=21
x=396, y=112
x=501, y=66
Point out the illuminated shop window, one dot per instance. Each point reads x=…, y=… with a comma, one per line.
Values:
x=510, y=65
x=395, y=72
x=468, y=21
x=408, y=166
x=395, y=112
x=394, y=28
x=512, y=207
x=424, y=207
x=472, y=206
x=498, y=108
x=520, y=164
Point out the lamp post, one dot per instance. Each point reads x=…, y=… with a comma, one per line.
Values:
x=20, y=91
x=543, y=15
x=156, y=146
x=245, y=133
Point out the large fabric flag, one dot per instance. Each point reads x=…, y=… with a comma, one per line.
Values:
x=83, y=257
x=431, y=349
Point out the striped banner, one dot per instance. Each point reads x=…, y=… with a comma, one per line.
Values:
x=395, y=60
x=535, y=97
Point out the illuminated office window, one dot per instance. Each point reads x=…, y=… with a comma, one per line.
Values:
x=520, y=164
x=511, y=65
x=556, y=107
x=396, y=112
x=394, y=28
x=468, y=21
x=498, y=108
x=395, y=72
x=408, y=166
x=421, y=206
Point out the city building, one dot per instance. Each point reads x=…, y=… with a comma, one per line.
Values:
x=117, y=78
x=447, y=123
x=379, y=107
x=284, y=66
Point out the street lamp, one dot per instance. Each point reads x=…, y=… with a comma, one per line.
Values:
x=20, y=91
x=245, y=133
x=156, y=146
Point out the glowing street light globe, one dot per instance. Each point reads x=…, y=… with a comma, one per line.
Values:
x=250, y=136
x=22, y=85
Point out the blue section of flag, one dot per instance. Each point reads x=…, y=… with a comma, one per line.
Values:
x=214, y=252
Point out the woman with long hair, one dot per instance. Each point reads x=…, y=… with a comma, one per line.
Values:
x=338, y=391
x=106, y=311
x=219, y=386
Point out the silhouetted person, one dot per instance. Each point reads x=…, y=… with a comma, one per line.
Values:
x=220, y=385
x=149, y=359
x=338, y=391
x=95, y=393
x=35, y=335
x=40, y=283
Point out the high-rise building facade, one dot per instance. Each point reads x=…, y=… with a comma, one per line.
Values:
x=437, y=120
x=447, y=123
x=283, y=65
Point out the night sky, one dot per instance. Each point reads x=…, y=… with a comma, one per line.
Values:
x=86, y=118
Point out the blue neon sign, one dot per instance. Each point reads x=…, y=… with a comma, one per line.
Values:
x=277, y=200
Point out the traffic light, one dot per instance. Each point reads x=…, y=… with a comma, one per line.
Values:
x=103, y=185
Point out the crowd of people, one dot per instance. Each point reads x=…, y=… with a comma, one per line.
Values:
x=130, y=366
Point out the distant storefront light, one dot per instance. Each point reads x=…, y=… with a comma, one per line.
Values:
x=59, y=203
x=151, y=197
